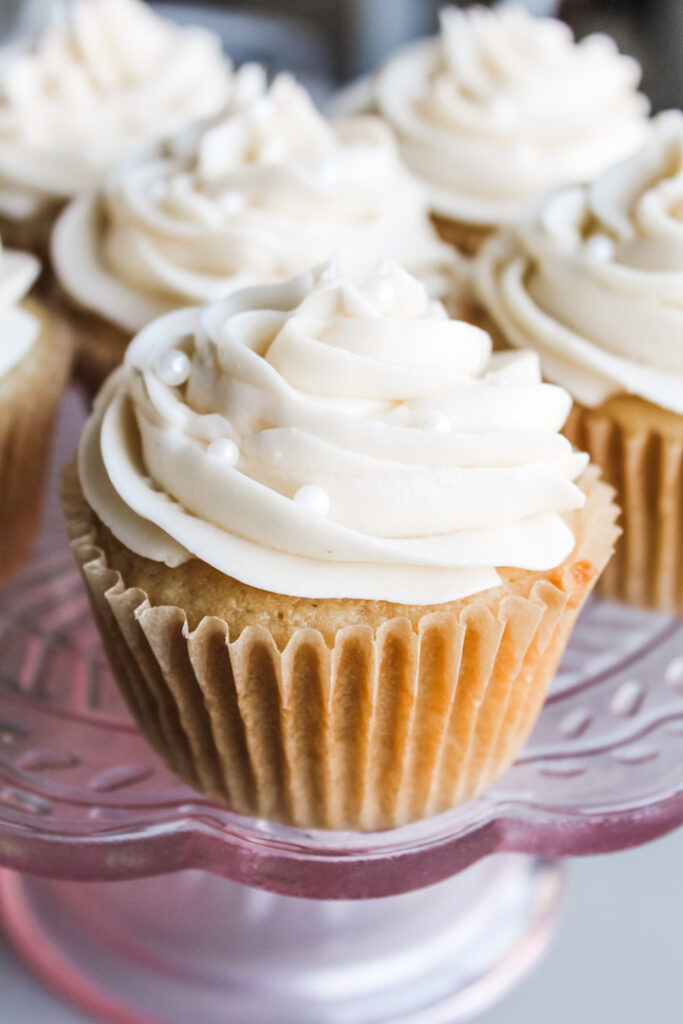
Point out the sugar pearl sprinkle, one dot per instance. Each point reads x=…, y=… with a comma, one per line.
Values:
x=504, y=110
x=232, y=202
x=380, y=291
x=599, y=248
x=172, y=368
x=313, y=498
x=435, y=421
x=225, y=450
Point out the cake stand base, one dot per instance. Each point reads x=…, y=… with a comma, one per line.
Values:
x=195, y=947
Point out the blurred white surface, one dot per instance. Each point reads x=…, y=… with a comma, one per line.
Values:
x=616, y=958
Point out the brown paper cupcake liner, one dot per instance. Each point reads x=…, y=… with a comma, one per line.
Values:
x=29, y=395
x=645, y=467
x=466, y=238
x=99, y=345
x=380, y=727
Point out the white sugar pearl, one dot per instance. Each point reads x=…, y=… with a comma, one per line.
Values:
x=232, y=202
x=599, y=248
x=436, y=421
x=380, y=292
x=313, y=499
x=173, y=368
x=504, y=109
x=225, y=450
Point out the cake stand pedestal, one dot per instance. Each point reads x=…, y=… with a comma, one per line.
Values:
x=145, y=904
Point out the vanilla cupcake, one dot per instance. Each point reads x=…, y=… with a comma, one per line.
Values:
x=34, y=365
x=592, y=280
x=260, y=195
x=502, y=105
x=335, y=547
x=105, y=77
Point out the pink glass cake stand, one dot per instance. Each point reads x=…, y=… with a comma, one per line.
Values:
x=145, y=904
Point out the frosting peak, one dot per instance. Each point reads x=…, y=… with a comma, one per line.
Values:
x=260, y=194
x=19, y=329
x=106, y=76
x=503, y=105
x=333, y=436
x=592, y=278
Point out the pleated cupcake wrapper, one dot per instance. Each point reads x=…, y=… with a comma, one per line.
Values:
x=26, y=428
x=100, y=346
x=646, y=470
x=24, y=452
x=466, y=238
x=384, y=727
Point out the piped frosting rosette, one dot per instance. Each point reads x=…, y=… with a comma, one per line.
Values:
x=325, y=438
x=503, y=105
x=592, y=278
x=261, y=195
x=19, y=328
x=106, y=76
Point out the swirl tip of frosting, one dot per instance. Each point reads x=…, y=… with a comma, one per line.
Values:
x=102, y=78
x=592, y=277
x=260, y=192
x=502, y=105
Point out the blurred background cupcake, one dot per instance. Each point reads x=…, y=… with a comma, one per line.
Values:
x=35, y=357
x=592, y=280
x=100, y=78
x=502, y=105
x=259, y=194
x=289, y=510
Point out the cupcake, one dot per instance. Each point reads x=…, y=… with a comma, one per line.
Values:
x=260, y=195
x=502, y=105
x=34, y=364
x=106, y=76
x=335, y=547
x=592, y=280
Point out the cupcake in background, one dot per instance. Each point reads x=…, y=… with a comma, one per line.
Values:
x=335, y=547
x=592, y=280
x=261, y=194
x=502, y=105
x=105, y=77
x=35, y=356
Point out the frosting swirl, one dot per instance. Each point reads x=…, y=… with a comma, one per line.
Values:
x=503, y=105
x=106, y=76
x=592, y=278
x=19, y=329
x=322, y=438
x=260, y=195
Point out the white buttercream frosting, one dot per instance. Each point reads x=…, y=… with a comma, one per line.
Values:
x=592, y=278
x=503, y=105
x=19, y=329
x=265, y=192
x=324, y=438
x=106, y=76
